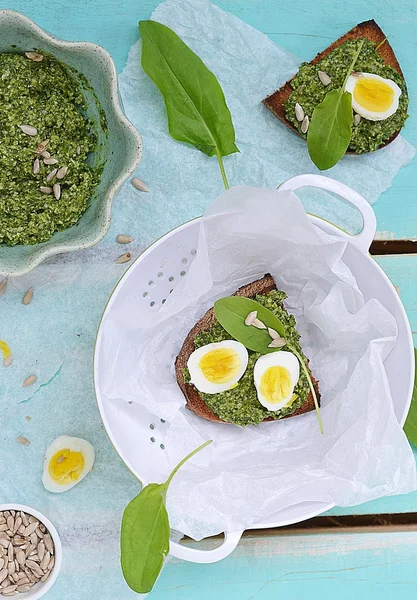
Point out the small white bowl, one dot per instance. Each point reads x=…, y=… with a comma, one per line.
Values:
x=40, y=589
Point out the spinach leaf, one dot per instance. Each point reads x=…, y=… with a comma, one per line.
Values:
x=145, y=532
x=410, y=427
x=330, y=129
x=231, y=313
x=195, y=103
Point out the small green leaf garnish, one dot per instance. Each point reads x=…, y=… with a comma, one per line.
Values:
x=330, y=129
x=410, y=427
x=145, y=533
x=195, y=103
x=231, y=313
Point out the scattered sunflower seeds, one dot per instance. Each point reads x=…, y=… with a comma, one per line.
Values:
x=50, y=161
x=57, y=191
x=324, y=77
x=277, y=343
x=122, y=238
x=251, y=318
x=124, y=258
x=7, y=361
x=274, y=334
x=139, y=185
x=45, y=189
x=42, y=146
x=299, y=112
x=62, y=172
x=51, y=175
x=357, y=119
x=45, y=154
x=29, y=381
x=3, y=285
x=27, y=298
x=258, y=324
x=36, y=166
x=28, y=130
x=35, y=56
x=22, y=440
x=305, y=124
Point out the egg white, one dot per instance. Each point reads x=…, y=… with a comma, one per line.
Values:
x=366, y=113
x=75, y=445
x=276, y=359
x=205, y=385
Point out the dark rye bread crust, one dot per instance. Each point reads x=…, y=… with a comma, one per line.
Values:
x=369, y=30
x=194, y=401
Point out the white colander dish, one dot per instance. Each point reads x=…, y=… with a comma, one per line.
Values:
x=138, y=434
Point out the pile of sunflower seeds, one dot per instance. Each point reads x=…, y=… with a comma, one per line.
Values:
x=26, y=552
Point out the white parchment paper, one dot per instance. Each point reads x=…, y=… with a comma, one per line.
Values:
x=247, y=475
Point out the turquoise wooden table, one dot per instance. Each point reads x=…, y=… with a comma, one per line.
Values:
x=351, y=552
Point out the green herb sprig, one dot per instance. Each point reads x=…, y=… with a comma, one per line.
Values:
x=410, y=427
x=231, y=313
x=145, y=533
x=195, y=103
x=330, y=129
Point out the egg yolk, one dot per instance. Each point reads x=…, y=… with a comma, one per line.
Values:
x=276, y=384
x=373, y=94
x=66, y=466
x=220, y=365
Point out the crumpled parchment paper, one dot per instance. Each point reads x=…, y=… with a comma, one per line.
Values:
x=249, y=474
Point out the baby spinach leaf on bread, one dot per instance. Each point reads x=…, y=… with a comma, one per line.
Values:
x=195, y=103
x=231, y=313
x=145, y=532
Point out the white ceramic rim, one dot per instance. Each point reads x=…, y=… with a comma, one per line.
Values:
x=40, y=590
x=42, y=254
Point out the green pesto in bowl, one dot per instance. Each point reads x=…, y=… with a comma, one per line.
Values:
x=45, y=96
x=309, y=91
x=240, y=405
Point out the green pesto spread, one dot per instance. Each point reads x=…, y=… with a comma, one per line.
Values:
x=240, y=405
x=44, y=95
x=309, y=92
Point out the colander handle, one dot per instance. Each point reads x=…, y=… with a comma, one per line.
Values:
x=362, y=240
x=231, y=540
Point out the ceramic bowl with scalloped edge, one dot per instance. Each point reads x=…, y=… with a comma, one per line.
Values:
x=119, y=144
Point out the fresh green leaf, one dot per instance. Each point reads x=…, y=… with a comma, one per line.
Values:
x=145, y=533
x=145, y=538
x=330, y=129
x=410, y=426
x=195, y=103
x=231, y=313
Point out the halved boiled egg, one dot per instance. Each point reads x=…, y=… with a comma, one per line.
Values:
x=217, y=367
x=373, y=97
x=275, y=376
x=67, y=461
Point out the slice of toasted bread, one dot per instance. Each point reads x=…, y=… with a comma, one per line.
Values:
x=369, y=30
x=194, y=401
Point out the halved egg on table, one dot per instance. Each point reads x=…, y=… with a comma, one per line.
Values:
x=275, y=376
x=217, y=367
x=67, y=461
x=373, y=97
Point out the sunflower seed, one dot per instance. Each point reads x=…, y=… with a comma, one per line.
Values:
x=27, y=298
x=45, y=189
x=35, y=56
x=33, y=538
x=258, y=324
x=4, y=527
x=10, y=522
x=122, y=238
x=11, y=567
x=45, y=577
x=7, y=361
x=3, y=285
x=24, y=518
x=305, y=124
x=48, y=543
x=50, y=161
x=139, y=185
x=42, y=146
x=33, y=565
x=124, y=258
x=21, y=528
x=357, y=119
x=20, y=557
x=33, y=519
x=28, y=130
x=277, y=343
x=36, y=166
x=22, y=440
x=28, y=550
x=45, y=561
x=3, y=575
x=4, y=542
x=42, y=528
x=45, y=154
x=10, y=552
x=23, y=588
x=17, y=524
x=41, y=550
x=51, y=175
x=274, y=334
x=1, y=563
x=250, y=319
x=62, y=172
x=14, y=577
x=57, y=191
x=299, y=112
x=324, y=78
x=27, y=382
x=19, y=541
x=2, y=519
x=39, y=533
x=8, y=589
x=51, y=563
